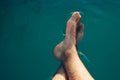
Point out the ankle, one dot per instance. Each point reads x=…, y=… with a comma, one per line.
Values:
x=70, y=53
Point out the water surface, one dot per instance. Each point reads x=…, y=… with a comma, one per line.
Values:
x=29, y=30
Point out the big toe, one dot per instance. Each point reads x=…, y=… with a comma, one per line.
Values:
x=76, y=16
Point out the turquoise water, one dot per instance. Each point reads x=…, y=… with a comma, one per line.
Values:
x=29, y=30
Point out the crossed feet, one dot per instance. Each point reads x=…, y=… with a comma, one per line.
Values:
x=72, y=67
x=74, y=33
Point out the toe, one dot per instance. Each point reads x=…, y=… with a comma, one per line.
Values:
x=76, y=16
x=79, y=31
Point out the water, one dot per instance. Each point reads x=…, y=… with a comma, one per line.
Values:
x=29, y=30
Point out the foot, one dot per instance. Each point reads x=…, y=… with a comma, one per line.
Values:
x=74, y=33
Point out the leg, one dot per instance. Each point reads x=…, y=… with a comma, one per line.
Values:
x=73, y=65
x=66, y=52
x=60, y=74
x=75, y=68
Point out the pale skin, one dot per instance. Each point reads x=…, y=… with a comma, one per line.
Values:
x=71, y=67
